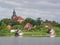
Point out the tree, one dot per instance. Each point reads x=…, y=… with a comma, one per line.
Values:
x=54, y=23
x=47, y=21
x=38, y=21
x=17, y=27
x=3, y=25
x=6, y=21
x=58, y=25
x=30, y=20
x=15, y=23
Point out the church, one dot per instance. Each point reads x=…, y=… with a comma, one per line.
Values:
x=16, y=18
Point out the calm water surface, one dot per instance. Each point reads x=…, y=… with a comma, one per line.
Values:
x=29, y=41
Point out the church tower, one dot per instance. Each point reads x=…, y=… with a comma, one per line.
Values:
x=14, y=14
x=16, y=18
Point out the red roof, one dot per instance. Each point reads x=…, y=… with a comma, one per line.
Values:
x=20, y=18
x=28, y=25
x=17, y=18
x=49, y=24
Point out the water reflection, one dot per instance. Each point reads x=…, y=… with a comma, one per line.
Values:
x=29, y=41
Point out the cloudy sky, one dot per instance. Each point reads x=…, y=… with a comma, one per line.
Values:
x=46, y=9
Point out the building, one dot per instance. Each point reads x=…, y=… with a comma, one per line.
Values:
x=16, y=18
x=47, y=24
x=20, y=19
x=28, y=26
x=9, y=27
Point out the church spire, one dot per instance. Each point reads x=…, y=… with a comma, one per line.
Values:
x=14, y=14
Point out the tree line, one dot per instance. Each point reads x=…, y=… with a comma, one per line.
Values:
x=38, y=22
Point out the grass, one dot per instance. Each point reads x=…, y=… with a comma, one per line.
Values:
x=35, y=34
x=28, y=34
x=31, y=34
x=41, y=33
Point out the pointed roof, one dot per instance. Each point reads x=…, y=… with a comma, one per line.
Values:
x=14, y=13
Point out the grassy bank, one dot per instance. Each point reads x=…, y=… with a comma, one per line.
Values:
x=30, y=34
x=37, y=33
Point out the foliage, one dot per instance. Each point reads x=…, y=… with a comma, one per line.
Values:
x=15, y=23
x=41, y=30
x=3, y=25
x=6, y=21
x=17, y=27
x=38, y=21
x=30, y=20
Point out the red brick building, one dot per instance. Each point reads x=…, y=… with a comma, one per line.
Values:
x=16, y=18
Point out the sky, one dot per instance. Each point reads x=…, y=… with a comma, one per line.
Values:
x=45, y=9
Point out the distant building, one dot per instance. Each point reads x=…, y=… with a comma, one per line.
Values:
x=16, y=18
x=28, y=26
x=47, y=24
x=20, y=19
x=9, y=27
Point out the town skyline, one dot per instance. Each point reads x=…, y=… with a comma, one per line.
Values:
x=45, y=9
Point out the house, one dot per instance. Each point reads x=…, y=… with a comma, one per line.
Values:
x=28, y=26
x=48, y=24
x=8, y=27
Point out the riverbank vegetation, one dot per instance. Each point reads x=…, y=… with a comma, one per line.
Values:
x=29, y=27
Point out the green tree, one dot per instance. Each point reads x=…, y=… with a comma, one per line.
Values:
x=3, y=25
x=30, y=20
x=54, y=23
x=38, y=21
x=58, y=25
x=17, y=27
x=15, y=23
x=6, y=21
x=47, y=21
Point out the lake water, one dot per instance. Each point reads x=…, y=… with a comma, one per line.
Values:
x=29, y=41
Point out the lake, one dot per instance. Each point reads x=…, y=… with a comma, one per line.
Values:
x=29, y=40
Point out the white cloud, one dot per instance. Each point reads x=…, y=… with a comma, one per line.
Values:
x=48, y=3
x=35, y=13
x=30, y=10
x=5, y=12
x=12, y=3
x=2, y=9
x=1, y=17
x=33, y=8
x=25, y=1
